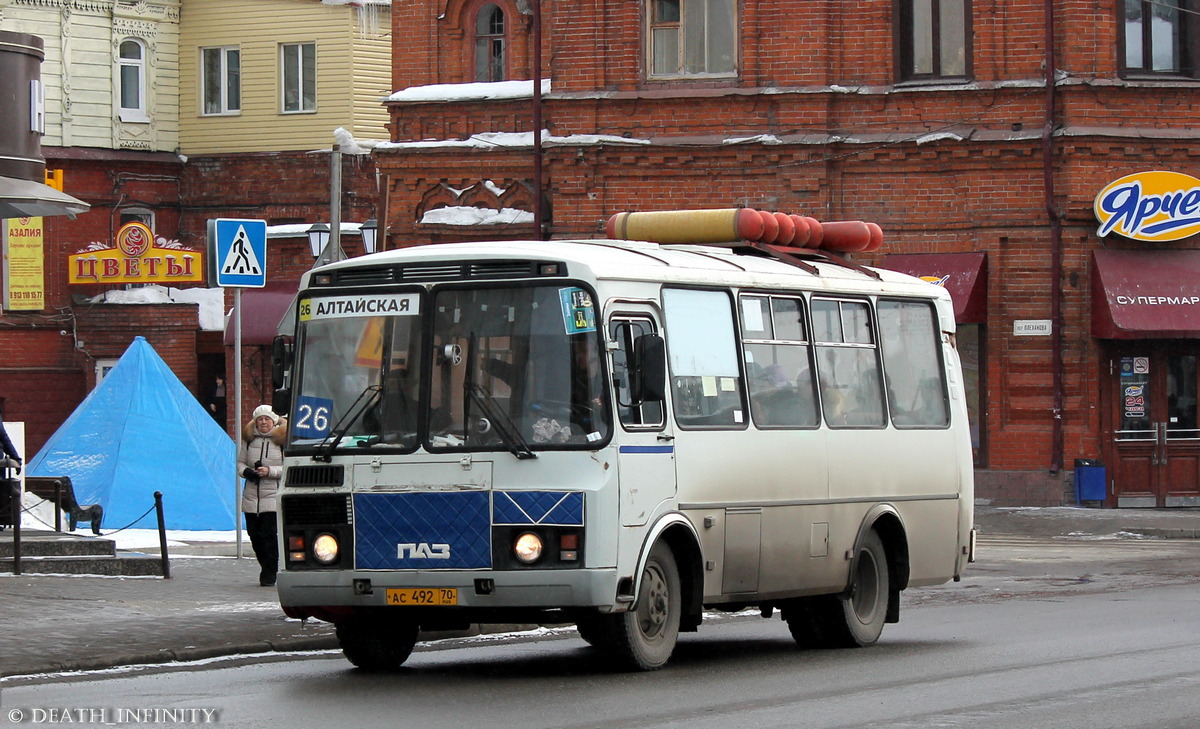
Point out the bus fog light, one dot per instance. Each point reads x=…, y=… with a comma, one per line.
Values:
x=325, y=548
x=528, y=547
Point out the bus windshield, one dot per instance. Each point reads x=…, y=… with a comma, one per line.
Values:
x=506, y=368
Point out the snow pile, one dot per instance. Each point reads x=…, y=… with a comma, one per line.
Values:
x=211, y=301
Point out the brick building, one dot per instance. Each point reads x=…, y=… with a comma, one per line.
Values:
x=977, y=133
x=169, y=113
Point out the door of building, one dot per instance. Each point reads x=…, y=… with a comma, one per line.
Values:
x=1151, y=423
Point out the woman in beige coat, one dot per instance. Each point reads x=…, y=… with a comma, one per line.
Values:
x=260, y=462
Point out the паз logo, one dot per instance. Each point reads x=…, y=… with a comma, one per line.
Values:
x=1152, y=206
x=422, y=550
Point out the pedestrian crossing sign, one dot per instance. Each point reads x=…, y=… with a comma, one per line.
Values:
x=237, y=253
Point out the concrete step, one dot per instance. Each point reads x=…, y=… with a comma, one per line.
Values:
x=52, y=544
x=126, y=564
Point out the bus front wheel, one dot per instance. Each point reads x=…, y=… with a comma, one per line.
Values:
x=375, y=643
x=644, y=638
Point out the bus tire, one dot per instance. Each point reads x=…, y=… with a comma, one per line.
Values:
x=644, y=638
x=593, y=630
x=858, y=619
x=375, y=644
x=831, y=621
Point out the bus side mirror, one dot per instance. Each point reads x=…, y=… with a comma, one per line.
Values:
x=281, y=365
x=281, y=361
x=281, y=400
x=649, y=368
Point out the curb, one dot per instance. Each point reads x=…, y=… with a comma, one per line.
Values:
x=1156, y=533
x=185, y=655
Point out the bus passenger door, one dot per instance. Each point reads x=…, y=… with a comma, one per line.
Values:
x=646, y=445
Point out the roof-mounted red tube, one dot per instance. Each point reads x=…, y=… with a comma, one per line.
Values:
x=728, y=225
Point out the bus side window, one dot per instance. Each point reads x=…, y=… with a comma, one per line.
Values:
x=706, y=381
x=847, y=364
x=779, y=376
x=916, y=385
x=625, y=332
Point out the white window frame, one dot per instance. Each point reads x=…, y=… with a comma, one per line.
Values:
x=104, y=365
x=695, y=17
x=139, y=67
x=223, y=72
x=295, y=64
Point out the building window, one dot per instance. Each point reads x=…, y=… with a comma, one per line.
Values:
x=692, y=38
x=489, y=44
x=132, y=79
x=137, y=215
x=221, y=80
x=298, y=67
x=934, y=39
x=1157, y=36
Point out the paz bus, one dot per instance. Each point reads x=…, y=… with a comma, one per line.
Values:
x=621, y=434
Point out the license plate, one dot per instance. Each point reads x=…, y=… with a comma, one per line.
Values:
x=422, y=596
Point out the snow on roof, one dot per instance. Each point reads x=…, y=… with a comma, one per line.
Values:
x=470, y=92
x=466, y=215
x=492, y=140
x=211, y=301
x=300, y=230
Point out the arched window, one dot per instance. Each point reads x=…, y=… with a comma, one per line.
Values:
x=132, y=67
x=489, y=44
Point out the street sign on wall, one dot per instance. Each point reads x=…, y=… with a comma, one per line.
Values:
x=237, y=253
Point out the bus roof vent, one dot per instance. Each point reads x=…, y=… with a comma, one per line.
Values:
x=501, y=269
x=431, y=272
x=367, y=275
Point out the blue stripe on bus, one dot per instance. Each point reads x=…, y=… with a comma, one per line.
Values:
x=647, y=449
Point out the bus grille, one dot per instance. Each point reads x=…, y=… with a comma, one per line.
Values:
x=326, y=510
x=314, y=476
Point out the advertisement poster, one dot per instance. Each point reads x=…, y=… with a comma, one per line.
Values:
x=24, y=284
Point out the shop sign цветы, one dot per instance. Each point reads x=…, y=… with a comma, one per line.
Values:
x=138, y=258
x=1150, y=206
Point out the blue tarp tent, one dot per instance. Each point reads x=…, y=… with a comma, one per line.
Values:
x=142, y=431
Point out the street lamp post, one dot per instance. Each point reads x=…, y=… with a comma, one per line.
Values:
x=318, y=238
x=370, y=233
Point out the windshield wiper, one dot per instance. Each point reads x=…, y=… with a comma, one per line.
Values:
x=494, y=417
x=324, y=450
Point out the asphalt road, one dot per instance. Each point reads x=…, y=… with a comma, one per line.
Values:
x=1044, y=634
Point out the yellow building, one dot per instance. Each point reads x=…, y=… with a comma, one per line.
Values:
x=281, y=75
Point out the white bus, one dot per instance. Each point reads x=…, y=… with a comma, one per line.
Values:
x=620, y=435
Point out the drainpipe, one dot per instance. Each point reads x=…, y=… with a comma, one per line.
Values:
x=1056, y=295
x=536, y=5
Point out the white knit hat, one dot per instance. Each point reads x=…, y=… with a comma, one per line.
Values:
x=265, y=410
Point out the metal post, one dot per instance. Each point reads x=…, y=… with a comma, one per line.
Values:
x=335, y=204
x=537, y=119
x=162, y=535
x=237, y=408
x=14, y=487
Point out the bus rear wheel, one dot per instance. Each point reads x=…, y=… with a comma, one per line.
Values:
x=644, y=638
x=830, y=621
x=377, y=644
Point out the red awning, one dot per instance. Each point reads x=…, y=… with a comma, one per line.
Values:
x=1140, y=294
x=963, y=274
x=262, y=311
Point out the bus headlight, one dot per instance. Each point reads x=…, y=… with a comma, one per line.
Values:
x=325, y=548
x=528, y=548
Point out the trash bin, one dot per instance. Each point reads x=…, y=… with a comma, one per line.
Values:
x=1089, y=480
